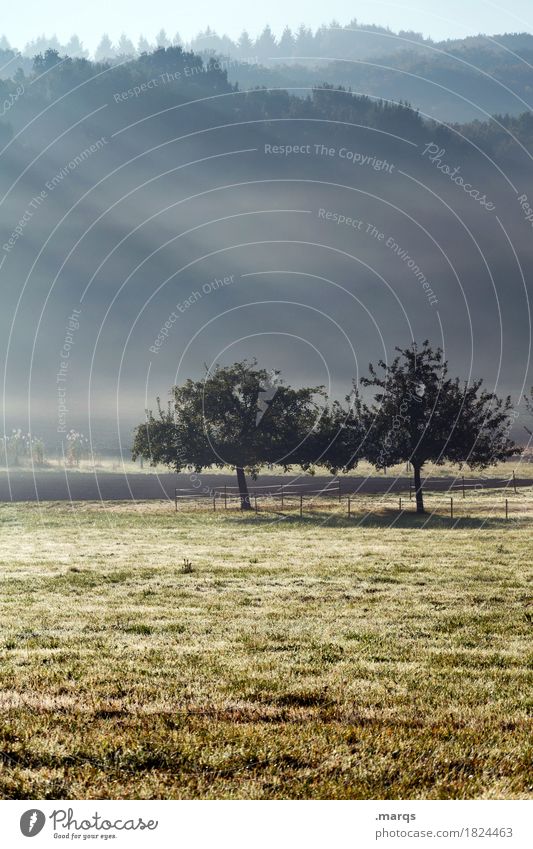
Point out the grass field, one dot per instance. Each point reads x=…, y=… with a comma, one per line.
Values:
x=313, y=658
x=522, y=466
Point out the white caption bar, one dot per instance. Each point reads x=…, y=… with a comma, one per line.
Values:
x=263, y=825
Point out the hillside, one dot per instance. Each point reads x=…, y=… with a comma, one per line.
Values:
x=129, y=191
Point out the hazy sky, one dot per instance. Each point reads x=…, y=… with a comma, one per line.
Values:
x=454, y=18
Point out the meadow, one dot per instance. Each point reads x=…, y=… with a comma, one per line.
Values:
x=521, y=466
x=149, y=654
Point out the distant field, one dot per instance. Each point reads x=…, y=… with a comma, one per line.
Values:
x=384, y=656
x=523, y=467
x=114, y=482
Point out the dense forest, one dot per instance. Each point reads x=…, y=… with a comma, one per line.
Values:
x=190, y=76
x=455, y=80
x=353, y=40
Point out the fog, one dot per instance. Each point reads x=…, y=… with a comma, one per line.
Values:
x=166, y=237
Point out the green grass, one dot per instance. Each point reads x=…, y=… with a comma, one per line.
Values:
x=313, y=658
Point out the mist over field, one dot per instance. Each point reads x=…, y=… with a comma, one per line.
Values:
x=156, y=218
x=266, y=479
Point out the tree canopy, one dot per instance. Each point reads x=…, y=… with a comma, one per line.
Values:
x=420, y=414
x=240, y=416
x=246, y=417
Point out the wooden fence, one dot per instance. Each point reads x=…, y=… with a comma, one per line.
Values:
x=280, y=498
x=224, y=497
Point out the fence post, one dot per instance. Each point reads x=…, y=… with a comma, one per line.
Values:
x=463, y=486
x=514, y=481
x=349, y=506
x=451, y=508
x=339, y=485
x=400, y=503
x=176, y=500
x=255, y=501
x=214, y=503
x=410, y=491
x=506, y=508
x=301, y=504
x=282, y=496
x=225, y=497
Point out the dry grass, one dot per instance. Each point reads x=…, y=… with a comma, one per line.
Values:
x=314, y=658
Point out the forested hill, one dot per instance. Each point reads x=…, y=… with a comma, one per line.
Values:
x=133, y=191
x=454, y=80
x=65, y=88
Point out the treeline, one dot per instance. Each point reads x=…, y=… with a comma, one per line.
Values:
x=192, y=78
x=333, y=41
x=182, y=77
x=27, y=450
x=454, y=80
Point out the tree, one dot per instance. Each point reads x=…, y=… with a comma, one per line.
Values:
x=529, y=407
x=265, y=45
x=204, y=40
x=105, y=49
x=287, y=43
x=125, y=46
x=143, y=46
x=305, y=43
x=421, y=415
x=161, y=39
x=245, y=45
x=240, y=416
x=76, y=447
x=41, y=44
x=336, y=440
x=75, y=49
x=41, y=64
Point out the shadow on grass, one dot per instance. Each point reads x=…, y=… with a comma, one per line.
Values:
x=382, y=519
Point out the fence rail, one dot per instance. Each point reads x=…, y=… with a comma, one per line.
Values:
x=283, y=492
x=294, y=497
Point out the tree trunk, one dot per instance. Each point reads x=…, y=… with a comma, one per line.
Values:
x=418, y=490
x=243, y=489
